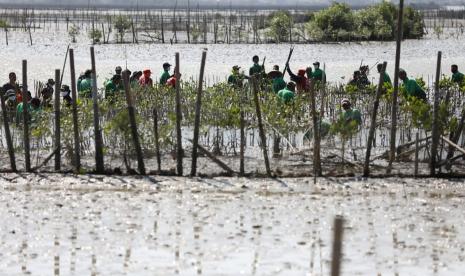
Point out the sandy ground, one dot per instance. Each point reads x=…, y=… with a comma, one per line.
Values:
x=57, y=224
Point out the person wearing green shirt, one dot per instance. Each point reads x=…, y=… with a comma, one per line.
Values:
x=350, y=114
x=112, y=87
x=318, y=74
x=386, y=78
x=236, y=78
x=411, y=87
x=85, y=85
x=457, y=77
x=286, y=95
x=256, y=68
x=166, y=73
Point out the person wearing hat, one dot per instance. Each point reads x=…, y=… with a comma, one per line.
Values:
x=256, y=68
x=457, y=77
x=318, y=74
x=65, y=93
x=350, y=114
x=300, y=79
x=287, y=94
x=118, y=70
x=236, y=78
x=386, y=78
x=20, y=108
x=10, y=99
x=84, y=84
x=166, y=73
x=145, y=80
x=411, y=87
x=112, y=87
x=277, y=79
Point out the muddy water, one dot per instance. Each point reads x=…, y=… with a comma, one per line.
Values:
x=48, y=51
x=90, y=225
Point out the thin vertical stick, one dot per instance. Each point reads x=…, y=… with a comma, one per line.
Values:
x=132, y=121
x=100, y=168
x=316, y=132
x=260, y=125
x=392, y=152
x=77, y=142
x=198, y=106
x=9, y=142
x=337, y=246
x=243, y=137
x=416, y=154
x=371, y=134
x=435, y=128
x=157, y=142
x=57, y=121
x=179, y=151
x=27, y=153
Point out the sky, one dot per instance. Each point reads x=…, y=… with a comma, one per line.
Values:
x=213, y=2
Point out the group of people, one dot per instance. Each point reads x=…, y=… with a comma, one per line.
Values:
x=115, y=86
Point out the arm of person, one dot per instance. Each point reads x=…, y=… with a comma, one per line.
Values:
x=293, y=76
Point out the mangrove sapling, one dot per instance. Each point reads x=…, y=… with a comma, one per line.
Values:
x=345, y=129
x=73, y=32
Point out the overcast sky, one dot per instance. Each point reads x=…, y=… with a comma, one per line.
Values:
x=213, y=2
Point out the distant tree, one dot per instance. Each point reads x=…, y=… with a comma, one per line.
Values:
x=280, y=24
x=95, y=35
x=73, y=32
x=332, y=23
x=122, y=24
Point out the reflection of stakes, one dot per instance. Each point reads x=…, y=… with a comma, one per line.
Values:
x=72, y=265
x=56, y=258
x=337, y=246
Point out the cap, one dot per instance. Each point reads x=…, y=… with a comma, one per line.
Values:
x=236, y=67
x=345, y=101
x=166, y=64
x=276, y=67
x=10, y=95
x=50, y=81
x=316, y=63
x=147, y=71
x=118, y=68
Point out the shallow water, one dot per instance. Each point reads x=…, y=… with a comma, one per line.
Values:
x=81, y=225
x=340, y=60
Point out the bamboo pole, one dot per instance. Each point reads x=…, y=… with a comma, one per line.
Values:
x=371, y=134
x=337, y=246
x=77, y=143
x=316, y=131
x=260, y=125
x=132, y=121
x=99, y=162
x=392, y=153
x=416, y=154
x=27, y=153
x=179, y=150
x=157, y=142
x=9, y=142
x=435, y=128
x=198, y=106
x=57, y=121
x=242, y=134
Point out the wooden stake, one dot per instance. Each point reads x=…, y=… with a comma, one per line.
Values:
x=100, y=168
x=198, y=106
x=260, y=125
x=77, y=142
x=157, y=142
x=371, y=134
x=132, y=120
x=435, y=129
x=57, y=121
x=9, y=142
x=27, y=153
x=337, y=246
x=392, y=153
x=243, y=137
x=316, y=131
x=416, y=154
x=179, y=150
